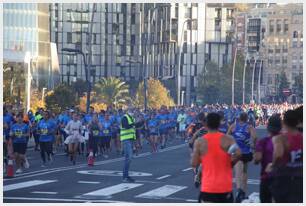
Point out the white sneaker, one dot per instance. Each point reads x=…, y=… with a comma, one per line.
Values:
x=19, y=171
x=105, y=156
x=26, y=164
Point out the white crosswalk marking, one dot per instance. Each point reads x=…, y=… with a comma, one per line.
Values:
x=113, y=189
x=161, y=192
x=47, y=193
x=26, y=184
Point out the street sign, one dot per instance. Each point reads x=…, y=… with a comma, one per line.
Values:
x=287, y=92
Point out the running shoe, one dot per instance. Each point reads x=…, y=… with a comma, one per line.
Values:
x=26, y=164
x=128, y=179
x=19, y=171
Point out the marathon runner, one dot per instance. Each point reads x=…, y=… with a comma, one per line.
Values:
x=245, y=137
x=287, y=163
x=46, y=129
x=218, y=152
x=19, y=133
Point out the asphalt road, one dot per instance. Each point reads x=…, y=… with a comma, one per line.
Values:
x=165, y=176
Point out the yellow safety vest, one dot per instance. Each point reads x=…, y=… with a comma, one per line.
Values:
x=127, y=133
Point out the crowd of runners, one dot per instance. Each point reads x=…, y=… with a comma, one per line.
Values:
x=78, y=133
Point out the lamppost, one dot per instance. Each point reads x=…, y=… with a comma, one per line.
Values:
x=149, y=37
x=77, y=51
x=253, y=76
x=243, y=79
x=144, y=77
x=179, y=63
x=28, y=60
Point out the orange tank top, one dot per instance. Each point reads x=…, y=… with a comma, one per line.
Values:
x=216, y=166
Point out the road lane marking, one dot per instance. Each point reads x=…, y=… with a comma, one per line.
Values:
x=26, y=184
x=163, y=177
x=191, y=200
x=187, y=169
x=113, y=173
x=108, y=191
x=47, y=193
x=88, y=182
x=59, y=200
x=251, y=181
x=161, y=192
x=60, y=169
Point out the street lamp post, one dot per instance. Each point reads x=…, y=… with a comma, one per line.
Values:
x=259, y=78
x=27, y=60
x=233, y=77
x=179, y=63
x=77, y=51
x=253, y=76
x=243, y=83
x=149, y=37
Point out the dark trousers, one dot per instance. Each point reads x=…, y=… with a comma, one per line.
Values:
x=287, y=189
x=45, y=147
x=265, y=191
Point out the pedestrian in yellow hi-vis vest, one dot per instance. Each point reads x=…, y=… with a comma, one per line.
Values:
x=127, y=136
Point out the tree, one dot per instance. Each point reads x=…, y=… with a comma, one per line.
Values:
x=96, y=105
x=215, y=85
x=157, y=95
x=298, y=86
x=14, y=85
x=208, y=80
x=112, y=92
x=283, y=84
x=79, y=87
x=60, y=98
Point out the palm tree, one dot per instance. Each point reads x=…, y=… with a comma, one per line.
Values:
x=112, y=91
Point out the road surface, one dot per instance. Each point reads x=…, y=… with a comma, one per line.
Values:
x=165, y=176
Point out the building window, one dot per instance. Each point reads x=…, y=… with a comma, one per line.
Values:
x=286, y=26
x=133, y=19
x=189, y=23
x=270, y=51
x=271, y=26
x=295, y=34
x=94, y=38
x=294, y=44
x=270, y=61
x=185, y=35
x=188, y=12
x=195, y=25
x=277, y=50
x=284, y=60
x=69, y=37
x=133, y=39
x=278, y=26
x=277, y=60
x=285, y=48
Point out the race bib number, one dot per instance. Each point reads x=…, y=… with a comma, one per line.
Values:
x=106, y=131
x=18, y=133
x=44, y=131
x=95, y=132
x=296, y=156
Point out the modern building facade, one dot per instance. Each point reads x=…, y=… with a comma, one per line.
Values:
x=26, y=31
x=131, y=41
x=283, y=47
x=26, y=55
x=115, y=39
